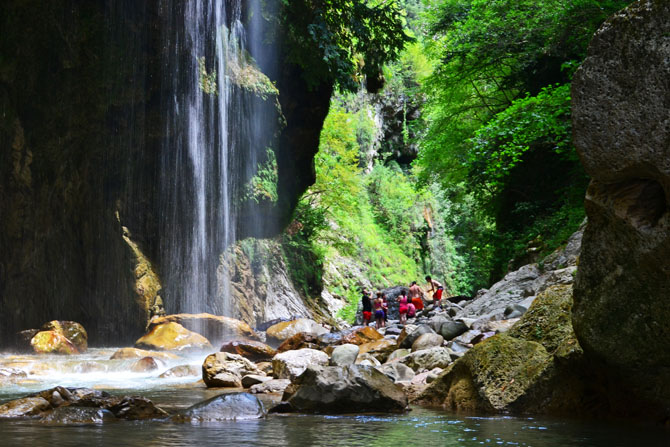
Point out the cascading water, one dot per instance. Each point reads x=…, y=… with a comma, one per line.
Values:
x=219, y=129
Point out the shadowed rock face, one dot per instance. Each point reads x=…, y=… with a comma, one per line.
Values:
x=621, y=120
x=81, y=131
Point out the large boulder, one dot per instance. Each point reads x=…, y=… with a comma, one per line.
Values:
x=622, y=134
x=287, y=329
x=52, y=342
x=535, y=367
x=344, y=389
x=290, y=364
x=72, y=330
x=226, y=407
x=223, y=369
x=301, y=340
x=252, y=350
x=213, y=327
x=452, y=329
x=172, y=337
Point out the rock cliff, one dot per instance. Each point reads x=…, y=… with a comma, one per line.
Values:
x=80, y=149
x=621, y=97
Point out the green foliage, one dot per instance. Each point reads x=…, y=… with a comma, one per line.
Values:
x=263, y=185
x=541, y=121
x=499, y=132
x=206, y=81
x=341, y=40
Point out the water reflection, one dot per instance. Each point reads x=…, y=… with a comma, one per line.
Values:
x=419, y=427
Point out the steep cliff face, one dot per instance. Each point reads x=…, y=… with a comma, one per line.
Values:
x=622, y=132
x=66, y=152
x=81, y=131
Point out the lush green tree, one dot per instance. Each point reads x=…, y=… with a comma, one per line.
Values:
x=342, y=40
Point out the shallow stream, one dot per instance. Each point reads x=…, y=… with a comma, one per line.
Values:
x=418, y=427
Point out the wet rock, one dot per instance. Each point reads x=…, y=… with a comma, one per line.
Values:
x=427, y=341
x=344, y=355
x=466, y=337
x=134, y=353
x=27, y=406
x=172, y=337
x=8, y=375
x=90, y=367
x=226, y=407
x=427, y=359
x=145, y=364
x=252, y=350
x=226, y=370
x=290, y=364
x=72, y=330
x=270, y=387
x=252, y=379
x=453, y=329
x=51, y=342
x=212, y=327
x=78, y=416
x=343, y=389
x=397, y=372
x=181, y=371
x=398, y=353
x=136, y=408
x=282, y=331
x=408, y=340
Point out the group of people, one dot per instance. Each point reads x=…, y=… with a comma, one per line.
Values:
x=408, y=306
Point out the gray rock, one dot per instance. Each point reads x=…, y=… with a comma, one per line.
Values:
x=453, y=329
x=412, y=336
x=621, y=130
x=252, y=379
x=290, y=364
x=271, y=386
x=344, y=355
x=427, y=359
x=343, y=389
x=397, y=372
x=398, y=353
x=393, y=330
x=427, y=341
x=514, y=311
x=226, y=407
x=437, y=321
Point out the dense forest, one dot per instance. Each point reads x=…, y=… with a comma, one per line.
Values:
x=457, y=158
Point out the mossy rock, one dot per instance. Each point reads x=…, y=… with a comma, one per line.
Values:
x=52, y=342
x=548, y=321
x=72, y=330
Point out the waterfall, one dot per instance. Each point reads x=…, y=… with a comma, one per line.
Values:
x=218, y=128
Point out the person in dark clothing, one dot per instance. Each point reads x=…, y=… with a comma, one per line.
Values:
x=367, y=308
